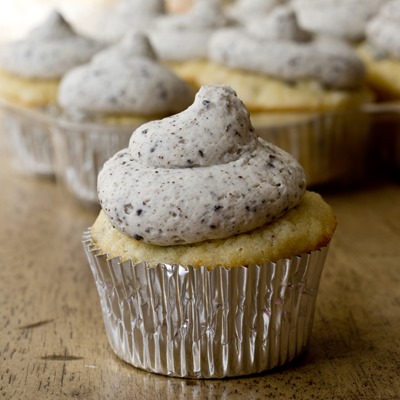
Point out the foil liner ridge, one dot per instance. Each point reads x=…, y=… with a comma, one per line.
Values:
x=200, y=323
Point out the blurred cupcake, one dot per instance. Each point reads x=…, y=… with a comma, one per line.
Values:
x=247, y=11
x=180, y=40
x=208, y=252
x=345, y=19
x=30, y=72
x=304, y=95
x=128, y=15
x=381, y=54
x=103, y=101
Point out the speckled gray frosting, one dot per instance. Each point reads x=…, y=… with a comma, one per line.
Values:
x=49, y=51
x=247, y=11
x=383, y=31
x=128, y=15
x=124, y=79
x=346, y=19
x=201, y=174
x=185, y=36
x=280, y=51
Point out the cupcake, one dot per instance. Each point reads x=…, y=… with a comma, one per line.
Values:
x=208, y=250
x=30, y=72
x=381, y=54
x=247, y=11
x=345, y=19
x=303, y=93
x=127, y=15
x=103, y=101
x=180, y=40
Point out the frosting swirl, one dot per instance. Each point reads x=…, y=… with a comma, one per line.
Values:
x=185, y=36
x=280, y=53
x=128, y=15
x=124, y=79
x=49, y=51
x=201, y=174
x=383, y=31
x=346, y=19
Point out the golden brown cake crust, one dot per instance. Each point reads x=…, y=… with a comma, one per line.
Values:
x=307, y=227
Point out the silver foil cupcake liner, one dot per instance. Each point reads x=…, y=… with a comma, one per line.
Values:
x=29, y=133
x=80, y=149
x=199, y=323
x=331, y=146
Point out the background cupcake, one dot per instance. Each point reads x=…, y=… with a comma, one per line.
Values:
x=181, y=40
x=103, y=101
x=304, y=92
x=381, y=54
x=216, y=222
x=30, y=72
x=125, y=16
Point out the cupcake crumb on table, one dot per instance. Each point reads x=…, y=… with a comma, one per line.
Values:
x=200, y=206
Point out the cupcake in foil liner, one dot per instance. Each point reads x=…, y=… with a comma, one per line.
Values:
x=330, y=146
x=80, y=150
x=29, y=132
x=207, y=323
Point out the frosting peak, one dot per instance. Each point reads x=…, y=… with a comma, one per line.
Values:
x=124, y=79
x=48, y=51
x=201, y=174
x=220, y=117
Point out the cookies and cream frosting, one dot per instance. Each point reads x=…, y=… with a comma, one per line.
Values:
x=383, y=31
x=48, y=51
x=280, y=51
x=346, y=19
x=185, y=36
x=245, y=11
x=198, y=175
x=124, y=79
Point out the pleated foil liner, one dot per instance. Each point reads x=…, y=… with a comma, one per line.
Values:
x=200, y=323
x=29, y=133
x=80, y=152
x=331, y=146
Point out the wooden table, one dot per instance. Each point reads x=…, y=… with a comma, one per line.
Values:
x=52, y=340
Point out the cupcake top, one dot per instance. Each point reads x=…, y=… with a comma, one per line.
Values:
x=128, y=15
x=178, y=37
x=346, y=19
x=383, y=31
x=198, y=175
x=124, y=79
x=49, y=51
x=280, y=51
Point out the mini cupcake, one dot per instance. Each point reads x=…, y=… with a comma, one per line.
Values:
x=304, y=94
x=180, y=40
x=30, y=72
x=128, y=15
x=208, y=251
x=104, y=101
x=345, y=19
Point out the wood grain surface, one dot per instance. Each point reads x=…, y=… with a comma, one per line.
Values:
x=52, y=340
